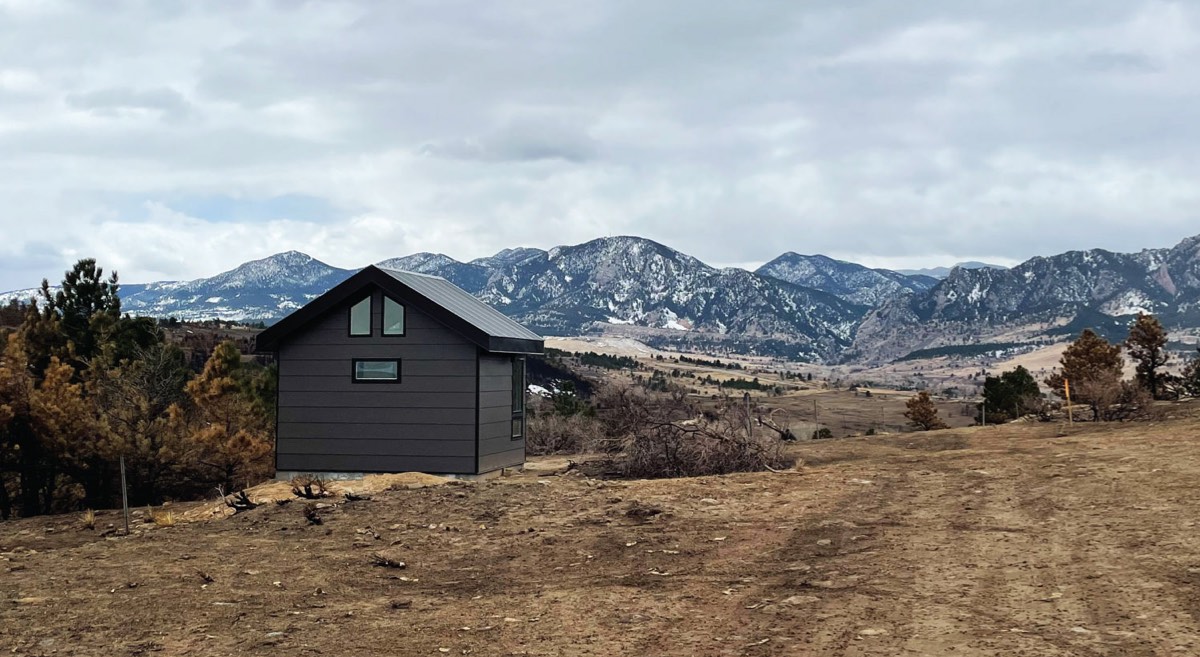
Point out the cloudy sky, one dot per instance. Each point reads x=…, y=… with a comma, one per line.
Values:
x=176, y=140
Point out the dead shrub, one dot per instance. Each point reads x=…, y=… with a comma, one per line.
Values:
x=240, y=502
x=310, y=487
x=559, y=434
x=312, y=514
x=1112, y=400
x=1133, y=402
x=385, y=561
x=665, y=435
x=88, y=519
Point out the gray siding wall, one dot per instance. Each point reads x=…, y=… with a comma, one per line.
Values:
x=426, y=422
x=497, y=448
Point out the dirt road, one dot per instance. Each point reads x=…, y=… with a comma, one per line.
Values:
x=1002, y=541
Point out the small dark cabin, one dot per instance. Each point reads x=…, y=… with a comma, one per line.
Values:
x=393, y=371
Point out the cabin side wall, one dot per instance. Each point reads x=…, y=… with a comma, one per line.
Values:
x=497, y=447
x=327, y=422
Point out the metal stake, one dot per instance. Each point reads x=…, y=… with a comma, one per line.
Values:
x=124, y=496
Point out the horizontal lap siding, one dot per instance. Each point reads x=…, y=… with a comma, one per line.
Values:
x=497, y=449
x=425, y=422
x=414, y=367
x=348, y=431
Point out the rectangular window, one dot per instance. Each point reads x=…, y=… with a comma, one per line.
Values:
x=518, y=398
x=376, y=371
x=393, y=317
x=360, y=318
x=518, y=385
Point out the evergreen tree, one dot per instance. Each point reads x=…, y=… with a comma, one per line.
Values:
x=922, y=413
x=139, y=405
x=65, y=423
x=1010, y=395
x=19, y=449
x=1190, y=379
x=1093, y=367
x=1147, y=343
x=234, y=440
x=88, y=306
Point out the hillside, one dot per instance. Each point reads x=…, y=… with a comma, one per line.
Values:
x=800, y=307
x=997, y=541
x=1043, y=298
x=848, y=281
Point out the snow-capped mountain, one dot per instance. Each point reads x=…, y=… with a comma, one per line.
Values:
x=624, y=285
x=260, y=289
x=509, y=257
x=468, y=276
x=636, y=286
x=847, y=280
x=1044, y=296
x=263, y=289
x=808, y=307
x=942, y=272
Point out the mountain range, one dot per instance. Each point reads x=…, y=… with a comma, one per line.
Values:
x=807, y=307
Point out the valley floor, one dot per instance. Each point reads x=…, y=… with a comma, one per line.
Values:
x=984, y=541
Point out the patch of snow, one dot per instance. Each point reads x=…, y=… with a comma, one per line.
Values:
x=674, y=324
x=213, y=300
x=1130, y=303
x=976, y=294
x=539, y=390
x=614, y=320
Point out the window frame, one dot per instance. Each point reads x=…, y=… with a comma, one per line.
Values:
x=383, y=318
x=370, y=299
x=518, y=414
x=354, y=370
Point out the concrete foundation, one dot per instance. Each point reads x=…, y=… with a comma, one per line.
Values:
x=288, y=475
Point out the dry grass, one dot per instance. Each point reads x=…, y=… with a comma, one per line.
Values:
x=999, y=540
x=557, y=434
x=88, y=519
x=162, y=517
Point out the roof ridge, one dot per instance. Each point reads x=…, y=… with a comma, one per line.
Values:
x=410, y=273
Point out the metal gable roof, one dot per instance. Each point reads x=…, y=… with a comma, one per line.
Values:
x=444, y=301
x=463, y=305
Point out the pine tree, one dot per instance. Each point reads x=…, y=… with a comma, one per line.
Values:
x=19, y=451
x=234, y=440
x=922, y=414
x=139, y=407
x=1147, y=343
x=65, y=423
x=1093, y=366
x=1010, y=395
x=88, y=306
x=1190, y=378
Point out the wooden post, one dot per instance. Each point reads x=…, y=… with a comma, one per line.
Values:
x=124, y=495
x=1067, y=392
x=749, y=427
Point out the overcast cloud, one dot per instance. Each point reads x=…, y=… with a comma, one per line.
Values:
x=176, y=140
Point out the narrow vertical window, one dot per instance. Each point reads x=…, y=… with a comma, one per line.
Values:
x=360, y=318
x=518, y=398
x=393, y=317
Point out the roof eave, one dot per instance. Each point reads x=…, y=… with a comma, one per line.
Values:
x=515, y=346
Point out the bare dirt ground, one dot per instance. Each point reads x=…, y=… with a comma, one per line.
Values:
x=985, y=541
